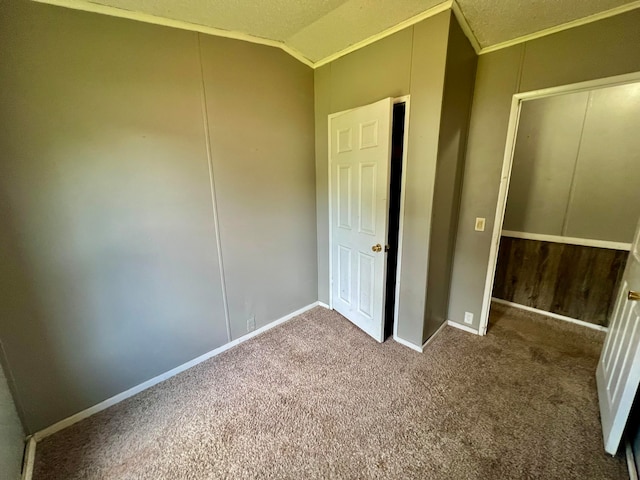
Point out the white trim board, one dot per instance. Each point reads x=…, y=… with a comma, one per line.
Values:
x=433, y=11
x=466, y=28
x=88, y=6
x=415, y=347
x=406, y=343
x=585, y=242
x=505, y=178
x=631, y=461
x=586, y=86
x=67, y=422
x=462, y=327
x=556, y=316
x=29, y=458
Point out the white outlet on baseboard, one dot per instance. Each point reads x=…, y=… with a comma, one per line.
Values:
x=251, y=323
x=468, y=318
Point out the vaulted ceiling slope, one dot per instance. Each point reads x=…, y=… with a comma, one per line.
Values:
x=317, y=31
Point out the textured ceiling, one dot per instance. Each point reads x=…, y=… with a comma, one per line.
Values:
x=318, y=29
x=272, y=19
x=351, y=22
x=497, y=21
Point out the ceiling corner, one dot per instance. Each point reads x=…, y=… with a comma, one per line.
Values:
x=466, y=28
x=439, y=8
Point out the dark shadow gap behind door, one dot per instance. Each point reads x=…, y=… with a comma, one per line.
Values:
x=395, y=179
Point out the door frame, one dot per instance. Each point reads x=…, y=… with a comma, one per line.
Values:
x=406, y=100
x=505, y=176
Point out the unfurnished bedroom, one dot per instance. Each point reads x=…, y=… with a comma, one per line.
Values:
x=337, y=239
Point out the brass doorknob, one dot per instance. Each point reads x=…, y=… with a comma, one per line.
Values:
x=633, y=295
x=377, y=248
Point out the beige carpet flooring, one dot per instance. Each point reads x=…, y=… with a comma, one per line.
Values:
x=316, y=398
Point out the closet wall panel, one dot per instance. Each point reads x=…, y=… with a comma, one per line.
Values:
x=605, y=203
x=543, y=164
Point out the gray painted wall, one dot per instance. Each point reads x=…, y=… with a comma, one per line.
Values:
x=574, y=168
x=110, y=268
x=410, y=61
x=260, y=111
x=605, y=200
x=454, y=123
x=544, y=162
x=563, y=58
x=11, y=433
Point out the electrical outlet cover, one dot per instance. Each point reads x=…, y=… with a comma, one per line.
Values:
x=251, y=324
x=468, y=318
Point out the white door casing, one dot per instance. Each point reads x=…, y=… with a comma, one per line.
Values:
x=507, y=164
x=359, y=161
x=618, y=372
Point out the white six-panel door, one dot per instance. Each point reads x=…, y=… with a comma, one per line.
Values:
x=618, y=372
x=359, y=159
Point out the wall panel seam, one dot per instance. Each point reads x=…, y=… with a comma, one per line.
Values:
x=572, y=187
x=413, y=39
x=521, y=67
x=214, y=204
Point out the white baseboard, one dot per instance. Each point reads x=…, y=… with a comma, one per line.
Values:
x=575, y=321
x=406, y=343
x=62, y=424
x=631, y=461
x=29, y=459
x=462, y=327
x=324, y=305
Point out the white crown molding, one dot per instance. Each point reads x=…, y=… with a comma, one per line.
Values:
x=167, y=22
x=565, y=26
x=466, y=28
x=88, y=6
x=442, y=7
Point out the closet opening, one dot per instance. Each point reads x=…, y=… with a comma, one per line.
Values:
x=395, y=188
x=568, y=206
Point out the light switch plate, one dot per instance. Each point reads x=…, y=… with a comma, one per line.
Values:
x=480, y=222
